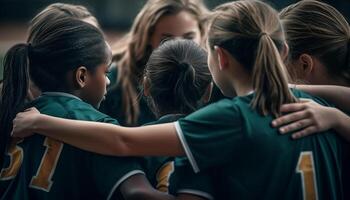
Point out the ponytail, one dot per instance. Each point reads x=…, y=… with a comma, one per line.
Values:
x=185, y=89
x=14, y=91
x=270, y=81
x=179, y=76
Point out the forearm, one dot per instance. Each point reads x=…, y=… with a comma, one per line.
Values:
x=82, y=134
x=111, y=139
x=338, y=95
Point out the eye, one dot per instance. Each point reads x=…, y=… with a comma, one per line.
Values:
x=189, y=36
x=164, y=39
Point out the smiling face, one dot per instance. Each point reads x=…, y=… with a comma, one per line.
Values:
x=181, y=25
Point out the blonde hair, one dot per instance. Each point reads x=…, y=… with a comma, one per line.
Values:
x=134, y=50
x=318, y=29
x=252, y=33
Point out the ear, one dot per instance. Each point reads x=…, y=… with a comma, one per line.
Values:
x=81, y=76
x=222, y=57
x=146, y=86
x=207, y=94
x=307, y=63
x=285, y=52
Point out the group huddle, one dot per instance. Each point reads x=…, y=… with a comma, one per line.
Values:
x=191, y=104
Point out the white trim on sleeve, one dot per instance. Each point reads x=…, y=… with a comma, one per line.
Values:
x=123, y=178
x=186, y=147
x=197, y=193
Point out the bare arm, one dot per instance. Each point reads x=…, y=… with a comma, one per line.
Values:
x=338, y=95
x=137, y=187
x=103, y=138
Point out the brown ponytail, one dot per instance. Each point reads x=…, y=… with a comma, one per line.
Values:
x=252, y=33
x=269, y=78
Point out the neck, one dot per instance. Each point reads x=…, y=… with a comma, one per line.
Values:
x=242, y=85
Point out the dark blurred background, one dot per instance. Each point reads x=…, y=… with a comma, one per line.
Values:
x=115, y=16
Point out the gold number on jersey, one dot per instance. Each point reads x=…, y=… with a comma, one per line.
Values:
x=306, y=168
x=163, y=176
x=42, y=179
x=15, y=153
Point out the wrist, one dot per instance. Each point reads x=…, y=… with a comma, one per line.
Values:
x=36, y=122
x=338, y=118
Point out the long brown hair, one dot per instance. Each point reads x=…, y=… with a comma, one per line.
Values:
x=252, y=33
x=318, y=29
x=133, y=50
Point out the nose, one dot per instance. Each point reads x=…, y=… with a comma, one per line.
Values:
x=107, y=81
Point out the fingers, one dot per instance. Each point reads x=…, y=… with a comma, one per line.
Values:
x=293, y=107
x=304, y=100
x=305, y=132
x=300, y=124
x=32, y=109
x=289, y=118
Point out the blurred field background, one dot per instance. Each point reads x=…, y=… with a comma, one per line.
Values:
x=115, y=16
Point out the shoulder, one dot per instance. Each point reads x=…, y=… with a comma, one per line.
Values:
x=80, y=110
x=301, y=94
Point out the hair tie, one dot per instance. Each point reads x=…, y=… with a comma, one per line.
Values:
x=262, y=34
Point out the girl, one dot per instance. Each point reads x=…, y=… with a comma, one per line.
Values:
x=246, y=46
x=56, y=11
x=319, y=44
x=176, y=82
x=158, y=20
x=67, y=60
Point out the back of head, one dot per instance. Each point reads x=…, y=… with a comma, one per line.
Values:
x=178, y=77
x=60, y=10
x=57, y=47
x=252, y=33
x=318, y=29
x=133, y=51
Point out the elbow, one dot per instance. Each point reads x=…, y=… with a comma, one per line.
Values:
x=137, y=193
x=120, y=145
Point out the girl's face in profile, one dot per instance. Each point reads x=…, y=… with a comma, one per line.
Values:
x=96, y=87
x=182, y=25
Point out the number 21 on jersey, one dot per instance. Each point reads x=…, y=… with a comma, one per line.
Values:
x=306, y=168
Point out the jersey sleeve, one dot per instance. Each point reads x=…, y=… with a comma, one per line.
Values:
x=109, y=172
x=211, y=136
x=185, y=181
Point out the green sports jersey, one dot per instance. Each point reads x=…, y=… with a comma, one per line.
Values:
x=185, y=181
x=166, y=176
x=158, y=169
x=44, y=168
x=253, y=161
x=113, y=101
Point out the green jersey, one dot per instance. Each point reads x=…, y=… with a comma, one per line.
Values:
x=253, y=161
x=44, y=168
x=166, y=176
x=113, y=103
x=185, y=181
x=158, y=169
